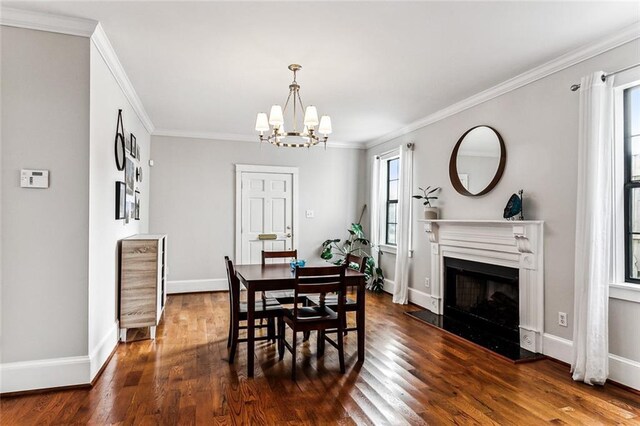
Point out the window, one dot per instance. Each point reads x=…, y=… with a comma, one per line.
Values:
x=385, y=198
x=393, y=167
x=631, y=132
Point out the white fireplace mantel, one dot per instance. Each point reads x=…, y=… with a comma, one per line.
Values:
x=514, y=244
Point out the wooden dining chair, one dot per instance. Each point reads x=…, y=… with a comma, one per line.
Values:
x=318, y=280
x=265, y=308
x=350, y=305
x=283, y=296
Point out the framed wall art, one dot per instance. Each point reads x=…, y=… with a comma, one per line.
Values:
x=134, y=146
x=120, y=200
x=136, y=215
x=129, y=179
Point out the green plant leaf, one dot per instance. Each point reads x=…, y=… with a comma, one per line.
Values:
x=326, y=253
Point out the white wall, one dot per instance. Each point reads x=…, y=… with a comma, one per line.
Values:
x=539, y=124
x=193, y=199
x=45, y=232
x=104, y=230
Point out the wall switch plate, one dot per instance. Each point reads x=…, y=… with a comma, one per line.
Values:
x=309, y=214
x=562, y=319
x=151, y=163
x=34, y=178
x=427, y=282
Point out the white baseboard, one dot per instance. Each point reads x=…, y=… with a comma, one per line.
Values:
x=625, y=371
x=195, y=286
x=388, y=286
x=416, y=297
x=44, y=373
x=419, y=298
x=557, y=347
x=622, y=370
x=100, y=354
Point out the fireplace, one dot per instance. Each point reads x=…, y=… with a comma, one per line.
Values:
x=482, y=296
x=499, y=263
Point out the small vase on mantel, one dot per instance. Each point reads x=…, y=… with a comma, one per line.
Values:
x=431, y=213
x=428, y=194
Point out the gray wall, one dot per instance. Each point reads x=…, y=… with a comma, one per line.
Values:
x=104, y=230
x=193, y=197
x=539, y=124
x=45, y=232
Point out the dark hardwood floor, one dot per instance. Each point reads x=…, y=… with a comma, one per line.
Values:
x=413, y=374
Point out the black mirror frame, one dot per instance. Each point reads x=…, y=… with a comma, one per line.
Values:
x=453, y=167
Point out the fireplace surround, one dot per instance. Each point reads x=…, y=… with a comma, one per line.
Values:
x=514, y=245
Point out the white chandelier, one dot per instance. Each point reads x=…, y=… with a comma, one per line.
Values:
x=309, y=136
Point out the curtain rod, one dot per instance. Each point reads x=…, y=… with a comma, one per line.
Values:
x=604, y=76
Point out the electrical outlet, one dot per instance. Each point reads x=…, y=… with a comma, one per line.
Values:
x=562, y=319
x=309, y=214
x=427, y=282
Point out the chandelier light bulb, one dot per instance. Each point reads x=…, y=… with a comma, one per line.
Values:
x=262, y=123
x=276, y=117
x=325, y=125
x=311, y=117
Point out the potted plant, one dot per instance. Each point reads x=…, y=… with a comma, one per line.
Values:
x=336, y=251
x=428, y=194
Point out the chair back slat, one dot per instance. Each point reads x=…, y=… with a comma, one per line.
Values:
x=361, y=261
x=278, y=255
x=320, y=280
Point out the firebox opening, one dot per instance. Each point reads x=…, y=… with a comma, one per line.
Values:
x=483, y=296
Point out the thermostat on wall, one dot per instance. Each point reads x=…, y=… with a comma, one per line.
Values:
x=34, y=178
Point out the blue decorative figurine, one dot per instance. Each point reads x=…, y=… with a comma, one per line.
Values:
x=514, y=207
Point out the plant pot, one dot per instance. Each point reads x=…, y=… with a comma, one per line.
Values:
x=430, y=213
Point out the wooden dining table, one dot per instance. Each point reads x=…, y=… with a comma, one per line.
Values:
x=257, y=278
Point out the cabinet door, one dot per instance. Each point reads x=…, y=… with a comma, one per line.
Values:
x=138, y=286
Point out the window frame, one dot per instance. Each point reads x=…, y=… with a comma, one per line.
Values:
x=389, y=201
x=620, y=288
x=624, y=130
x=381, y=208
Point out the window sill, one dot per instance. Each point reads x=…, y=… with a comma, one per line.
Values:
x=387, y=249
x=625, y=291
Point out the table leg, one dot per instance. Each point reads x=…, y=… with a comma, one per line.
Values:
x=251, y=305
x=360, y=320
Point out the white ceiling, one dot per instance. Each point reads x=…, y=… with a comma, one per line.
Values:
x=209, y=67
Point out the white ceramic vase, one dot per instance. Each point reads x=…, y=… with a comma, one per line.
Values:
x=430, y=213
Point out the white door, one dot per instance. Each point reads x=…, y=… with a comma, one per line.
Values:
x=266, y=214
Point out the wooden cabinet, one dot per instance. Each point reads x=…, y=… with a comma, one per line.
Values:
x=143, y=259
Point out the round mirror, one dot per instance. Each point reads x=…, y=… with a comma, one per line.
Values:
x=477, y=161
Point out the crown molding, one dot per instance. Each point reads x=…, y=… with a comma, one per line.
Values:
x=233, y=137
x=583, y=53
x=47, y=22
x=102, y=43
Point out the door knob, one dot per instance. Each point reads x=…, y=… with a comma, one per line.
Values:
x=288, y=235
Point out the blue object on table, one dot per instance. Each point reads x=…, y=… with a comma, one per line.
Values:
x=299, y=263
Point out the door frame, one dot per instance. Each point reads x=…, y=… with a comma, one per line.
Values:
x=251, y=168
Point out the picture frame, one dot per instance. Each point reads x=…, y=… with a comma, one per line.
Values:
x=120, y=200
x=134, y=146
x=129, y=179
x=137, y=206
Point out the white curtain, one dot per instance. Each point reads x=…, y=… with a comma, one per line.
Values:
x=594, y=231
x=403, y=229
x=373, y=212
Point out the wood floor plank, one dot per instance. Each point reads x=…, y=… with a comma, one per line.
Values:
x=412, y=374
